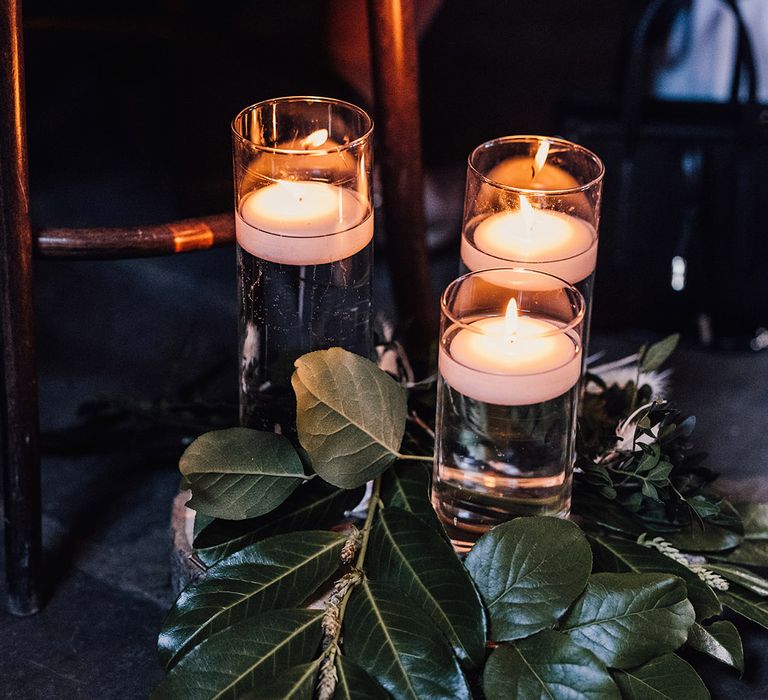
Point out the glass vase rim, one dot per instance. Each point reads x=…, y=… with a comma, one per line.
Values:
x=457, y=322
x=532, y=191
x=367, y=120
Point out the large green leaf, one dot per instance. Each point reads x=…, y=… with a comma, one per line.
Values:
x=240, y=473
x=666, y=677
x=235, y=661
x=547, y=666
x=399, y=645
x=746, y=604
x=720, y=640
x=297, y=683
x=628, y=619
x=350, y=415
x=279, y=572
x=418, y=562
x=355, y=684
x=314, y=505
x=617, y=555
x=406, y=485
x=528, y=571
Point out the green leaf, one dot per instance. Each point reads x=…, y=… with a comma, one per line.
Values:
x=720, y=640
x=547, y=665
x=667, y=677
x=655, y=356
x=722, y=532
x=313, y=505
x=399, y=645
x=297, y=683
x=528, y=571
x=754, y=549
x=749, y=553
x=202, y=521
x=239, y=659
x=746, y=604
x=240, y=473
x=617, y=555
x=279, y=572
x=350, y=416
x=755, y=519
x=627, y=619
x=354, y=683
x=744, y=577
x=406, y=485
x=422, y=565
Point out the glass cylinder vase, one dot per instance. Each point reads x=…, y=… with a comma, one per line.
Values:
x=304, y=226
x=510, y=360
x=534, y=202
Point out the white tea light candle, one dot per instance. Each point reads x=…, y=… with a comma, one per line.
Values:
x=538, y=239
x=303, y=223
x=510, y=360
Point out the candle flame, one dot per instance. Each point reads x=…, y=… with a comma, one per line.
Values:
x=540, y=158
x=314, y=140
x=527, y=211
x=511, y=320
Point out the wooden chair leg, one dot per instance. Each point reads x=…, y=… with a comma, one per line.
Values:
x=21, y=463
x=396, y=96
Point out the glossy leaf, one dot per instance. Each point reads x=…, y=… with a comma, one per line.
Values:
x=548, y=666
x=350, y=415
x=232, y=663
x=746, y=604
x=627, y=619
x=666, y=677
x=744, y=577
x=725, y=531
x=418, y=562
x=528, y=571
x=406, y=485
x=398, y=644
x=616, y=555
x=297, y=683
x=355, y=684
x=754, y=549
x=314, y=505
x=720, y=640
x=240, y=473
x=279, y=572
x=656, y=355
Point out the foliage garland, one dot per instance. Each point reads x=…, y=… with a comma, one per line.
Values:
x=540, y=607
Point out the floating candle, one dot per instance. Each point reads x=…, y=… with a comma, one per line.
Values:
x=303, y=223
x=510, y=360
x=538, y=239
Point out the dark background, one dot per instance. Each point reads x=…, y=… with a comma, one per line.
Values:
x=128, y=114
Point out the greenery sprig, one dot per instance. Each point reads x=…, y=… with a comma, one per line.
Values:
x=540, y=607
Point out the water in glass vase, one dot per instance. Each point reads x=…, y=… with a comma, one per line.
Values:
x=287, y=310
x=494, y=462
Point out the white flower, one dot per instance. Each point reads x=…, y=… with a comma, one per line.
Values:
x=623, y=371
x=625, y=431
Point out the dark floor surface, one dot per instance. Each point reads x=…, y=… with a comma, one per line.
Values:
x=142, y=329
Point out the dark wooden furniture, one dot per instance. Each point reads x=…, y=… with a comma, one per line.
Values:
x=395, y=79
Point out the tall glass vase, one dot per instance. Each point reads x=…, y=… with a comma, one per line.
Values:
x=304, y=225
x=534, y=202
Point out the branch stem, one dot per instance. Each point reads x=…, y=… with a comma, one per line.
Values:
x=418, y=458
